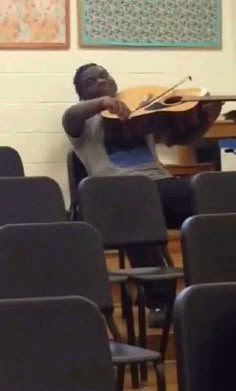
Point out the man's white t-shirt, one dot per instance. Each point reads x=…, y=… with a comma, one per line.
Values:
x=140, y=159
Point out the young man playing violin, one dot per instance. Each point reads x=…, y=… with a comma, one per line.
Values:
x=124, y=151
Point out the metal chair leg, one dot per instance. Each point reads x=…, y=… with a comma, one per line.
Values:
x=117, y=337
x=123, y=295
x=142, y=329
x=131, y=335
x=167, y=325
x=134, y=376
x=129, y=317
x=113, y=328
x=120, y=377
x=168, y=261
x=160, y=376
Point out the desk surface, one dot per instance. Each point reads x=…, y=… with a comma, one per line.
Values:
x=222, y=129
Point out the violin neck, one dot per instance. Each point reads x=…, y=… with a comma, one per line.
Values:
x=209, y=98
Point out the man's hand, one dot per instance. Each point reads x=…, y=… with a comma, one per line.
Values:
x=210, y=111
x=117, y=107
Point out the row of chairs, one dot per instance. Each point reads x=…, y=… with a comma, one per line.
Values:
x=212, y=193
x=61, y=259
x=204, y=320
x=127, y=212
x=117, y=240
x=28, y=269
x=33, y=190
x=205, y=323
x=205, y=312
x=198, y=180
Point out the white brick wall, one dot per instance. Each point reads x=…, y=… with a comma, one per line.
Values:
x=36, y=87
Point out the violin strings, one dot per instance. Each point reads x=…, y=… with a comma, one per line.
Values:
x=156, y=98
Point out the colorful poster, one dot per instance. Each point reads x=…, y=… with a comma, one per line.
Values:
x=34, y=24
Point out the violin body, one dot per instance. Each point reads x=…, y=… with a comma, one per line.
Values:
x=171, y=115
x=165, y=122
x=145, y=100
x=138, y=98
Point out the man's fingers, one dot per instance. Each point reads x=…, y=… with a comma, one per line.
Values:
x=120, y=109
x=124, y=111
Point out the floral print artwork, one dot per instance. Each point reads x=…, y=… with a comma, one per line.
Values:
x=33, y=22
x=151, y=22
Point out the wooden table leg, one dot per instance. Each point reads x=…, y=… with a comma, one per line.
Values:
x=186, y=155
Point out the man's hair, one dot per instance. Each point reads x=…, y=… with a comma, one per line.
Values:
x=77, y=78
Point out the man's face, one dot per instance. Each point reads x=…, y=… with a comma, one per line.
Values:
x=97, y=82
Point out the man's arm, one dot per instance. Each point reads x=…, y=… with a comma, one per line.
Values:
x=187, y=130
x=74, y=118
x=209, y=113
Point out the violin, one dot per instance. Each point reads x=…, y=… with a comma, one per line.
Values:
x=146, y=100
x=172, y=109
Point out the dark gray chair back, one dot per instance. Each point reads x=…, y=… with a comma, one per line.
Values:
x=204, y=325
x=209, y=250
x=10, y=163
x=51, y=344
x=30, y=200
x=214, y=192
x=53, y=259
x=126, y=210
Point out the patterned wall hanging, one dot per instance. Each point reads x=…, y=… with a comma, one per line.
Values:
x=34, y=24
x=150, y=23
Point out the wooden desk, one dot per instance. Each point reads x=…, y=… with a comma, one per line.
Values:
x=188, y=169
x=220, y=130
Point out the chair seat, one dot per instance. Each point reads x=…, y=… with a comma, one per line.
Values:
x=113, y=278
x=151, y=273
x=125, y=354
x=135, y=270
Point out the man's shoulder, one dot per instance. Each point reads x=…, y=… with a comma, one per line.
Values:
x=69, y=114
x=68, y=118
x=74, y=127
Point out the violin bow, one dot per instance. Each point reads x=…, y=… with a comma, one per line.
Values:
x=151, y=100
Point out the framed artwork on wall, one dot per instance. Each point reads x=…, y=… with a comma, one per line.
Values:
x=34, y=24
x=150, y=23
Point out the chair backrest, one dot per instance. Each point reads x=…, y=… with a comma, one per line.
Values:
x=10, y=163
x=76, y=172
x=53, y=259
x=214, y=192
x=53, y=344
x=209, y=252
x=204, y=325
x=126, y=210
x=30, y=200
